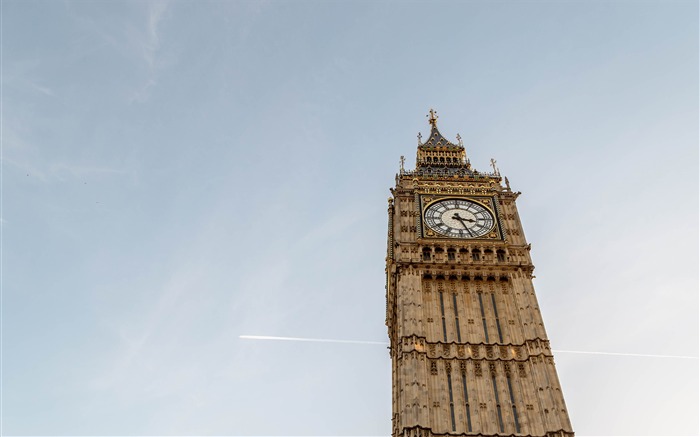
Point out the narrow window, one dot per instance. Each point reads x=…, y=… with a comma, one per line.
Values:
x=483, y=318
x=466, y=401
x=426, y=254
x=452, y=404
x=512, y=402
x=442, y=310
x=475, y=255
x=498, y=324
x=454, y=301
x=451, y=255
x=498, y=403
x=501, y=255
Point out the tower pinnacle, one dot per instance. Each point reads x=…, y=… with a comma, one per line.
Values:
x=432, y=118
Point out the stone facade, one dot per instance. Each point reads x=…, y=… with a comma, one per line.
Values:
x=469, y=351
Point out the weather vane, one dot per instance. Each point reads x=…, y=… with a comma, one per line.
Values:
x=403, y=160
x=459, y=140
x=432, y=118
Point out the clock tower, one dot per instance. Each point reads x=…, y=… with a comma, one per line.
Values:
x=469, y=351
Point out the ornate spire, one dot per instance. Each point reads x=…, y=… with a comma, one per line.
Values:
x=437, y=151
x=436, y=139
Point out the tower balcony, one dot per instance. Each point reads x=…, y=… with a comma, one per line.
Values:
x=467, y=256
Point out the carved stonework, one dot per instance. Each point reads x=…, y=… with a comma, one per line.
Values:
x=454, y=297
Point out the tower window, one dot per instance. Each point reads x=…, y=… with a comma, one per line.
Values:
x=498, y=403
x=501, y=255
x=454, y=302
x=498, y=323
x=426, y=254
x=452, y=405
x=512, y=402
x=466, y=401
x=475, y=255
x=483, y=318
x=451, y=255
x=444, y=326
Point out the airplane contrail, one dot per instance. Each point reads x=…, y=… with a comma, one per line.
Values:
x=624, y=354
x=321, y=340
x=331, y=340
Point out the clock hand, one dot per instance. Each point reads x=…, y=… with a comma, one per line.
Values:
x=461, y=220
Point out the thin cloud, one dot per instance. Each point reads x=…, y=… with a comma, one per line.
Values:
x=42, y=89
x=149, y=47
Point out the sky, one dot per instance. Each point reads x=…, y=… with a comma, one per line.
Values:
x=176, y=175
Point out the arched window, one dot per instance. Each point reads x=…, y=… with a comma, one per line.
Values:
x=501, y=255
x=451, y=254
x=476, y=256
x=426, y=254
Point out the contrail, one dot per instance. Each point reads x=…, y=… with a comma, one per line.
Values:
x=624, y=355
x=320, y=340
x=330, y=340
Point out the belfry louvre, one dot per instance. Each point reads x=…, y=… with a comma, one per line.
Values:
x=469, y=351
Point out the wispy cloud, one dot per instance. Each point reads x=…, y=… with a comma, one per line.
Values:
x=156, y=13
x=148, y=44
x=42, y=89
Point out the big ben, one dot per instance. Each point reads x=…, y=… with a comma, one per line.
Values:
x=470, y=355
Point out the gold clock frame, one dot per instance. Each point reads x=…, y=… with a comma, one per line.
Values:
x=488, y=202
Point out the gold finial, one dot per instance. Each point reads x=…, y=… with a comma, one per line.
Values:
x=403, y=161
x=432, y=118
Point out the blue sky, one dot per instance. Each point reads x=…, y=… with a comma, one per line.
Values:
x=177, y=174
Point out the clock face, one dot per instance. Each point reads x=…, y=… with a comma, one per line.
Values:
x=459, y=218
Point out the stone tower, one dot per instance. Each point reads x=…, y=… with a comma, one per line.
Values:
x=469, y=351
